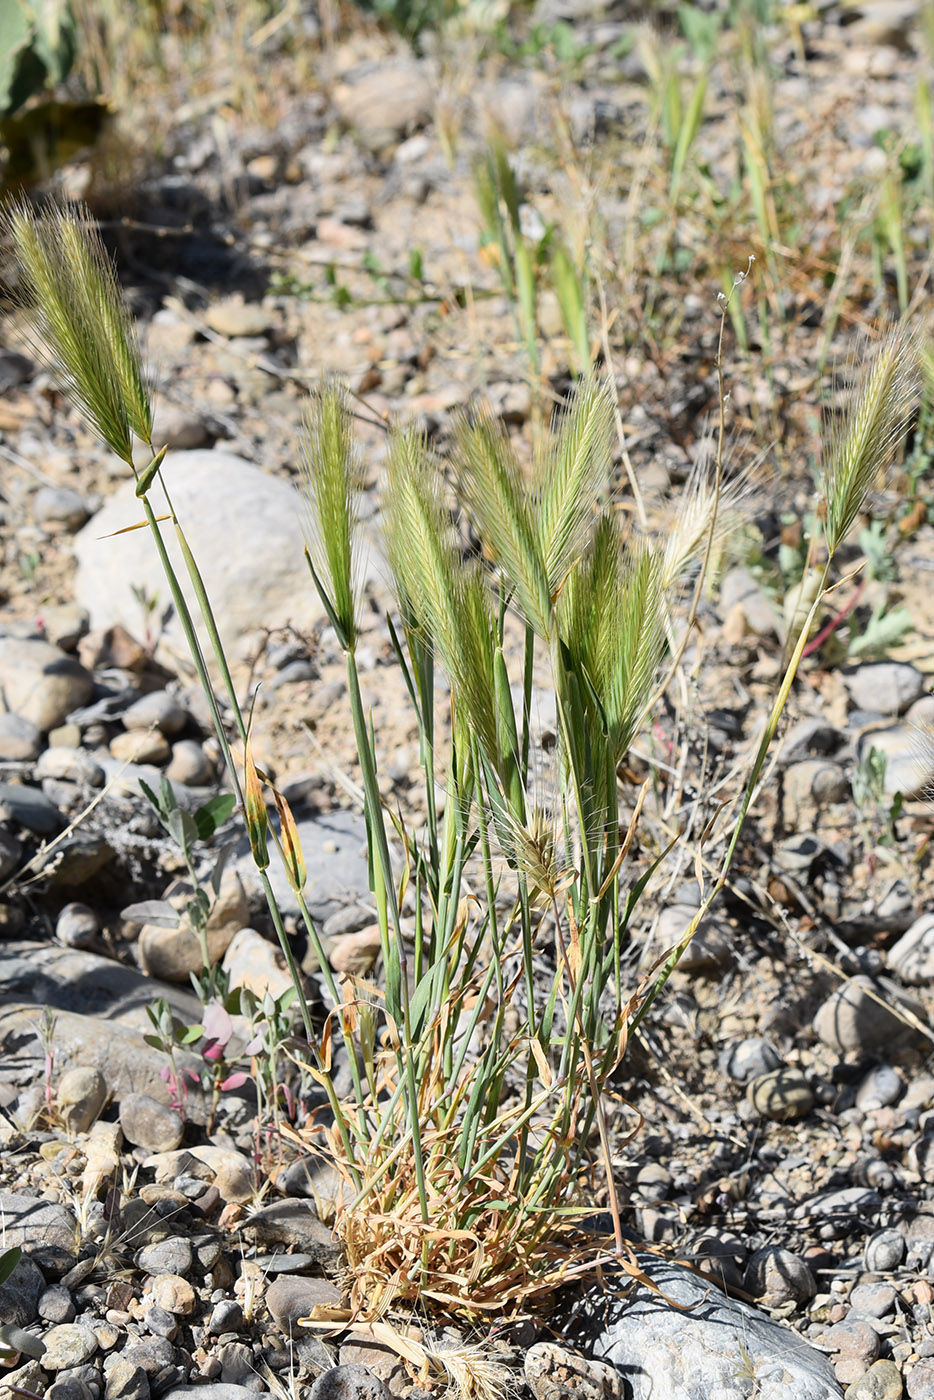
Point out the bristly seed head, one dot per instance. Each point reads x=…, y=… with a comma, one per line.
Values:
x=83, y=329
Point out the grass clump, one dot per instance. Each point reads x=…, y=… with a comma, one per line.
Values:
x=477, y=1124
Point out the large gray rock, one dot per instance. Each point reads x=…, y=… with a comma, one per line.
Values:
x=30, y=1223
x=40, y=682
x=244, y=528
x=719, y=1347
x=72, y=979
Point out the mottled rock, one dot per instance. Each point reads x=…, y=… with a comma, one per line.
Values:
x=883, y=1381
x=125, y=1381
x=158, y=709
x=884, y=1251
x=173, y=1293
x=748, y=1059
x=349, y=1383
x=230, y=1172
x=69, y=1344
x=171, y=1256
x=31, y=1223
x=554, y=1373
x=873, y=1299
x=856, y=1345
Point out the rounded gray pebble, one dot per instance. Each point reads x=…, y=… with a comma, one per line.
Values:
x=882, y=1086
x=873, y=1299
x=171, y=1256
x=56, y=1304
x=884, y=1251
x=290, y=1297
x=150, y=1124
x=349, y=1383
x=77, y=926
x=227, y=1316
x=749, y=1059
x=160, y=1322
x=70, y=1390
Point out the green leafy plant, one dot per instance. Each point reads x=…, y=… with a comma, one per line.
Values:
x=38, y=44
x=476, y=1128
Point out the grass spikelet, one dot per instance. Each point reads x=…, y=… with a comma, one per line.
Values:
x=82, y=328
x=699, y=507
x=575, y=472
x=446, y=597
x=332, y=485
x=871, y=431
x=499, y=501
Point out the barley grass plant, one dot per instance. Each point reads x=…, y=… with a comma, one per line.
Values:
x=478, y=1130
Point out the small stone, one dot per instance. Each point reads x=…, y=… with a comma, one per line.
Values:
x=911, y=959
x=782, y=1095
x=884, y=1251
x=77, y=926
x=856, y=1344
x=189, y=764
x=178, y=427
x=60, y=507
x=171, y=1256
x=20, y=739
x=20, y=1294
x=355, y=953
x=873, y=1299
x=140, y=746
x=69, y=1344
x=150, y=1124
x=748, y=1059
x=56, y=1304
x=64, y=624
x=126, y=1382
x=173, y=954
x=778, y=1276
x=289, y=1298
x=173, y=1293
x=882, y=1086
x=292, y=1223
x=251, y=961
x=710, y=949
x=920, y=1381
x=30, y=808
x=158, y=709
x=71, y=1388
x=349, y=1383
x=234, y=318
x=80, y=1098
x=882, y=1381
x=41, y=682
x=810, y=786
x=11, y=853
x=909, y=758
x=72, y=765
x=151, y=1354
x=160, y=1322
x=227, y=1316
x=853, y=1020
x=552, y=1372
x=885, y=687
